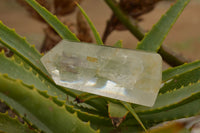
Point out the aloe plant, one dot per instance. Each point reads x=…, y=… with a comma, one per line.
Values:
x=27, y=88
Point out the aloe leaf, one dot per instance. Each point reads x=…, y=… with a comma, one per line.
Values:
x=84, y=116
x=175, y=71
x=42, y=112
x=117, y=113
x=184, y=111
x=132, y=111
x=12, y=125
x=21, y=47
x=153, y=40
x=95, y=33
x=53, y=21
x=173, y=99
x=179, y=81
x=17, y=70
x=26, y=52
x=118, y=44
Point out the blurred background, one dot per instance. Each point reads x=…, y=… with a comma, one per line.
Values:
x=184, y=37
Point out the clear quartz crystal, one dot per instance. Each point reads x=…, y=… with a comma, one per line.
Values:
x=127, y=75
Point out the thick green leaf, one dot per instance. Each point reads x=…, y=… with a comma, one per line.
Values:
x=17, y=70
x=183, y=111
x=175, y=71
x=12, y=125
x=153, y=40
x=117, y=113
x=93, y=118
x=27, y=53
x=132, y=111
x=53, y=21
x=95, y=33
x=179, y=81
x=21, y=47
x=39, y=110
x=173, y=99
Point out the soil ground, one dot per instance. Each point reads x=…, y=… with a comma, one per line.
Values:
x=184, y=37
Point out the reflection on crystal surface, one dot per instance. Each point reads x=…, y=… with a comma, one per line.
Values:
x=123, y=74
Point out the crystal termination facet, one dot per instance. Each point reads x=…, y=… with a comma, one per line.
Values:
x=124, y=74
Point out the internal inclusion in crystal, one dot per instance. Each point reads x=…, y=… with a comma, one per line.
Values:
x=123, y=74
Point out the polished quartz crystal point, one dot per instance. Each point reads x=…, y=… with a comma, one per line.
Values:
x=127, y=75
